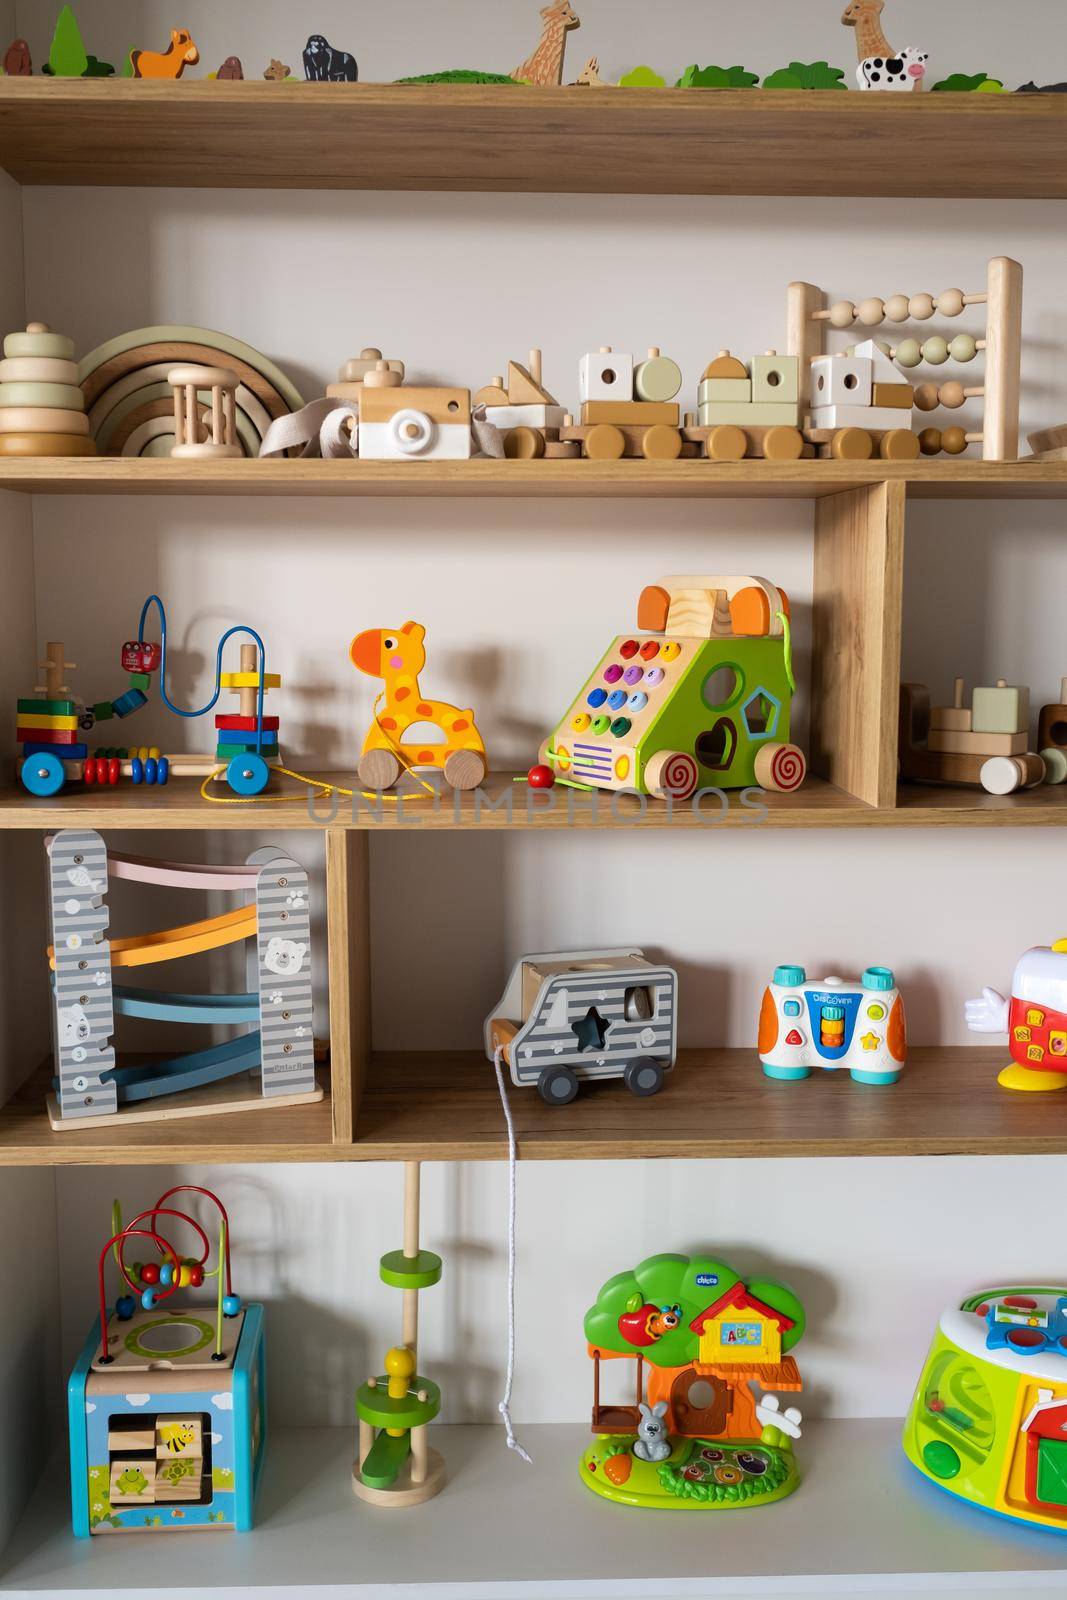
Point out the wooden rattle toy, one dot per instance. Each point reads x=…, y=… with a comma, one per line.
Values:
x=696, y=1437
x=42, y=407
x=988, y=1420
x=586, y=1014
x=167, y=1402
x=836, y=1024
x=985, y=743
x=411, y=732
x=1035, y=1019
x=396, y=1465
x=702, y=699
x=210, y=433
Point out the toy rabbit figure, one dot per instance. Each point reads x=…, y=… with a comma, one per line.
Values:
x=652, y=1441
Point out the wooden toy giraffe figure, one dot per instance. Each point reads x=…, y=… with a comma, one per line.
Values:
x=880, y=66
x=397, y=656
x=545, y=67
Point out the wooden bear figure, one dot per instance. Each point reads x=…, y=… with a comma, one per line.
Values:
x=17, y=62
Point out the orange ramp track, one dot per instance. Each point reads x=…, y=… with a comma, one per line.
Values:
x=168, y=944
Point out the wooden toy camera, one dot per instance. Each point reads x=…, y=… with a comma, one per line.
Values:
x=702, y=700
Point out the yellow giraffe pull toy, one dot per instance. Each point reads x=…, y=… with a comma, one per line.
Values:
x=446, y=738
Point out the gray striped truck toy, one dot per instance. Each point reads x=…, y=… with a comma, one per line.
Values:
x=581, y=1014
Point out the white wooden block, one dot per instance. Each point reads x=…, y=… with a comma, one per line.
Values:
x=606, y=375
x=438, y=441
x=877, y=417
x=883, y=368
x=525, y=416
x=841, y=380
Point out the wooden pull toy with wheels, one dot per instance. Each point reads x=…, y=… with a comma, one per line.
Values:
x=409, y=731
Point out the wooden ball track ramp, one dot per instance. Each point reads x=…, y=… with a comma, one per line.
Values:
x=396, y=1466
x=280, y=1048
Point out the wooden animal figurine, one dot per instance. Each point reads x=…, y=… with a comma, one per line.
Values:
x=213, y=432
x=397, y=656
x=182, y=52
x=231, y=70
x=277, y=72
x=590, y=78
x=324, y=64
x=17, y=60
x=880, y=66
x=545, y=67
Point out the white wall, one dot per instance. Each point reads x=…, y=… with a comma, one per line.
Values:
x=518, y=598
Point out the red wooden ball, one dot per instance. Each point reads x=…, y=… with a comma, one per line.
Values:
x=540, y=777
x=196, y=1275
x=150, y=1272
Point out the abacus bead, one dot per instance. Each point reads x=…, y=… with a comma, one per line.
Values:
x=953, y=441
x=125, y=1306
x=926, y=396
x=196, y=1275
x=930, y=441
x=896, y=308
x=871, y=312
x=231, y=1304
x=185, y=1277
x=952, y=394
x=963, y=348
x=166, y=1274
x=136, y=770
x=935, y=350
x=114, y=770
x=950, y=302
x=909, y=353
x=921, y=306
x=842, y=314
x=150, y=770
x=151, y=1272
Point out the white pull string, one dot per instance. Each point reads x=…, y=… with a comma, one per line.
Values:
x=505, y=1404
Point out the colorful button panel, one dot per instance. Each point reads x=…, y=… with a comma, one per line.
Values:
x=613, y=673
x=596, y=698
x=581, y=721
x=616, y=699
x=637, y=701
x=654, y=675
x=670, y=650
x=633, y=675
x=628, y=648
x=620, y=727
x=600, y=724
x=650, y=650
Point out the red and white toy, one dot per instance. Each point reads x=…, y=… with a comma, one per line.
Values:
x=1035, y=1019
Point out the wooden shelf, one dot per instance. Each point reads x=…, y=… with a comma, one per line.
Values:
x=816, y=804
x=495, y=137
x=717, y=1105
x=863, y=1522
x=938, y=479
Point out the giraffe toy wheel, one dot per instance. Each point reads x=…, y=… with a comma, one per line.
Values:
x=378, y=769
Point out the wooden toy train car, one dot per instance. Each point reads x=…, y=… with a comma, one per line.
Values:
x=985, y=743
x=702, y=699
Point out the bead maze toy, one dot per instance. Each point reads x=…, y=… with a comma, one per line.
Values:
x=694, y=1438
x=1035, y=1019
x=396, y=1465
x=836, y=1024
x=985, y=743
x=703, y=699
x=988, y=1421
x=167, y=1405
x=809, y=316
x=42, y=408
x=51, y=728
x=580, y=1015
x=447, y=738
x=89, y=1085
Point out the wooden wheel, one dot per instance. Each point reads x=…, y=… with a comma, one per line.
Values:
x=464, y=769
x=899, y=444
x=671, y=774
x=851, y=444
x=782, y=444
x=378, y=769
x=726, y=443
x=605, y=442
x=523, y=444
x=780, y=767
x=661, y=442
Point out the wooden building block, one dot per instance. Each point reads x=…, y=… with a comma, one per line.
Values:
x=132, y=1481
x=768, y=414
x=725, y=366
x=725, y=390
x=527, y=416
x=634, y=412
x=653, y=604
x=1002, y=709
x=119, y=1438
x=1052, y=724
x=977, y=744
x=606, y=374
x=875, y=419
x=179, y=1437
x=840, y=380
x=951, y=719
x=526, y=390
x=775, y=378
x=897, y=396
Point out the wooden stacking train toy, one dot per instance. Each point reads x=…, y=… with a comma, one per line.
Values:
x=52, y=724
x=984, y=743
x=279, y=1049
x=167, y=1402
x=701, y=699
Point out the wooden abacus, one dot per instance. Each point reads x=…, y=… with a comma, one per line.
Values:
x=809, y=315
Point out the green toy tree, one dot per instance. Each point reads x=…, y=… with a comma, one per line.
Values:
x=806, y=75
x=963, y=83
x=67, y=57
x=690, y=1284
x=642, y=78
x=695, y=77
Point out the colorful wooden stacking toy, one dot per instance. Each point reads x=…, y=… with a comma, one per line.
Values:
x=695, y=1438
x=396, y=1466
x=167, y=1406
x=42, y=407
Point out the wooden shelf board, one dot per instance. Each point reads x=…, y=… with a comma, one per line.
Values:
x=816, y=804
x=498, y=137
x=863, y=1522
x=801, y=480
x=716, y=1105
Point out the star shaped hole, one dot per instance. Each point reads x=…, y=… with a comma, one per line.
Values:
x=590, y=1030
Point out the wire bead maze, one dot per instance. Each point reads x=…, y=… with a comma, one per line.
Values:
x=153, y=1282
x=809, y=316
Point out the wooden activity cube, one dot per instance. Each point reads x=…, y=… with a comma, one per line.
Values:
x=163, y=1437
